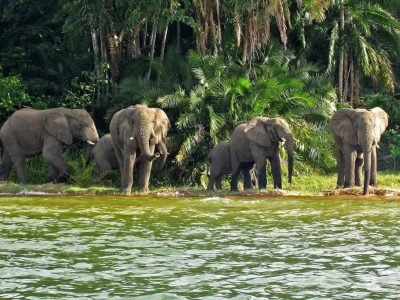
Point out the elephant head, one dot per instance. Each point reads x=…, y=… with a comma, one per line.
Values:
x=360, y=128
x=69, y=125
x=150, y=127
x=268, y=132
x=161, y=127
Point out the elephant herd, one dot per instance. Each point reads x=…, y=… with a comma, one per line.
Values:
x=138, y=136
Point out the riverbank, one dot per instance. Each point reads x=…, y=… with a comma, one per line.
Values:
x=316, y=185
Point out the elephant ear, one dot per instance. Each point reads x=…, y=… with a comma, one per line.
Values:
x=381, y=122
x=161, y=124
x=342, y=125
x=256, y=131
x=56, y=124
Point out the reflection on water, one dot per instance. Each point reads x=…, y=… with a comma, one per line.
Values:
x=118, y=248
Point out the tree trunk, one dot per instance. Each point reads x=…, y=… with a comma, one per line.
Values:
x=164, y=41
x=341, y=51
x=152, y=46
x=96, y=56
x=178, y=36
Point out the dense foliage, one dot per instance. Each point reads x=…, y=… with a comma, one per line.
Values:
x=209, y=64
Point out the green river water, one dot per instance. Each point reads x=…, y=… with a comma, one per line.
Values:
x=199, y=248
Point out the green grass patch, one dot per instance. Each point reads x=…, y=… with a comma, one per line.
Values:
x=301, y=185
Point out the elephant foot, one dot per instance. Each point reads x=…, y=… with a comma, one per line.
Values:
x=125, y=191
x=144, y=190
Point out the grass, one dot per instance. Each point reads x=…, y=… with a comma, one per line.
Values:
x=388, y=183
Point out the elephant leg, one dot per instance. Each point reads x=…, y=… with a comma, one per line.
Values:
x=374, y=167
x=53, y=154
x=16, y=155
x=53, y=172
x=245, y=169
x=349, y=159
x=218, y=182
x=144, y=175
x=276, y=170
x=340, y=168
x=235, y=175
x=212, y=179
x=260, y=159
x=127, y=173
x=19, y=164
x=5, y=166
x=358, y=170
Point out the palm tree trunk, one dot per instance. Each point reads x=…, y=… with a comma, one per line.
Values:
x=341, y=52
x=96, y=54
x=164, y=41
x=152, y=45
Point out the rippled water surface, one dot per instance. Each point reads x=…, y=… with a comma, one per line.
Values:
x=120, y=248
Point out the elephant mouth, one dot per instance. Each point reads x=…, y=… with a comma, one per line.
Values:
x=90, y=142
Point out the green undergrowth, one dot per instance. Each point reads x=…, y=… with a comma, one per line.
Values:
x=302, y=185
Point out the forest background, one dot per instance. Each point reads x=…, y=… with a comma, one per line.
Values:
x=210, y=64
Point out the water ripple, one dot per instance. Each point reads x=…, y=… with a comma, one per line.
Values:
x=213, y=248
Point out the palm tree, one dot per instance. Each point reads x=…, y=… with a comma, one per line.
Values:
x=363, y=42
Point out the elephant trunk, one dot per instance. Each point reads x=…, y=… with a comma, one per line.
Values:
x=366, y=146
x=145, y=133
x=289, y=146
x=163, y=151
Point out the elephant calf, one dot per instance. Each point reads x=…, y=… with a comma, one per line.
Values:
x=104, y=156
x=29, y=132
x=219, y=159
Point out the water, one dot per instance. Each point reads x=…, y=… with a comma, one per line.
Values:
x=121, y=248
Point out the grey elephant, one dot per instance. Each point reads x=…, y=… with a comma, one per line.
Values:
x=104, y=156
x=357, y=133
x=258, y=140
x=219, y=159
x=29, y=132
x=138, y=129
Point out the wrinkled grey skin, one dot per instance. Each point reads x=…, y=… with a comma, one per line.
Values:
x=357, y=133
x=138, y=129
x=29, y=132
x=104, y=156
x=258, y=140
x=219, y=159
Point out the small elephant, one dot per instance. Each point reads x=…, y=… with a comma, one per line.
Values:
x=357, y=133
x=138, y=129
x=219, y=159
x=257, y=140
x=104, y=156
x=29, y=132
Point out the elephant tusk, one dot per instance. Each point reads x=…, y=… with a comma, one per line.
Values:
x=90, y=142
x=283, y=140
x=377, y=146
x=131, y=138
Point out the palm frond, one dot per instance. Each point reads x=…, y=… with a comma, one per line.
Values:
x=173, y=100
x=334, y=37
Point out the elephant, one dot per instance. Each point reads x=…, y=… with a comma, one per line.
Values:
x=104, y=156
x=29, y=132
x=257, y=140
x=139, y=129
x=219, y=159
x=357, y=133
